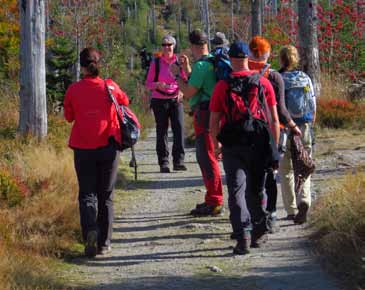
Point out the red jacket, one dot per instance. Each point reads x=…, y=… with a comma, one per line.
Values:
x=88, y=106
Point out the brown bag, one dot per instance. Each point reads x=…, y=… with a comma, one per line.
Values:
x=303, y=164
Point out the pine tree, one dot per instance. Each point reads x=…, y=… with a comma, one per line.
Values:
x=60, y=60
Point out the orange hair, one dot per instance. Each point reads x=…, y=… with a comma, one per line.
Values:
x=259, y=46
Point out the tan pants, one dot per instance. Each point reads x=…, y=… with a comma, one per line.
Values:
x=290, y=199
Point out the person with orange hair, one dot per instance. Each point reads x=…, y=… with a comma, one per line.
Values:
x=259, y=54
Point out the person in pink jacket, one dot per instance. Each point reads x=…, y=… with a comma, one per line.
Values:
x=166, y=105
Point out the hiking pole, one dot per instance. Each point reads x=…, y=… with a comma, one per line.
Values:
x=133, y=163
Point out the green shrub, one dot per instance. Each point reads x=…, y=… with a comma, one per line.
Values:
x=11, y=190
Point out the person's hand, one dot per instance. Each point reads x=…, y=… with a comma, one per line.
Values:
x=218, y=151
x=184, y=62
x=296, y=131
x=180, y=96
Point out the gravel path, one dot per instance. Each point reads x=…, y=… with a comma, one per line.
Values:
x=157, y=246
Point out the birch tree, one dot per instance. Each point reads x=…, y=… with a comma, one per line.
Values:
x=256, y=18
x=33, y=104
x=308, y=41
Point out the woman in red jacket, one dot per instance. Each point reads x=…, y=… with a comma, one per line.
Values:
x=94, y=133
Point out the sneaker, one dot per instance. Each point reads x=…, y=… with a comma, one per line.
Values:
x=91, y=241
x=208, y=210
x=164, y=169
x=301, y=216
x=242, y=247
x=104, y=250
x=180, y=167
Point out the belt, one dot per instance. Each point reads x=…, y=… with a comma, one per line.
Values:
x=167, y=94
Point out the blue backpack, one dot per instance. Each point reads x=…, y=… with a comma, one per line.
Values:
x=299, y=97
x=221, y=63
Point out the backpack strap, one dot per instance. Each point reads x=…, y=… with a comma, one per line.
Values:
x=157, y=69
x=243, y=85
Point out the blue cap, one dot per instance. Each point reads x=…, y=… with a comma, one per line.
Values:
x=238, y=49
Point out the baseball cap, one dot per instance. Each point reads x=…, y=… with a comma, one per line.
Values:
x=238, y=49
x=198, y=37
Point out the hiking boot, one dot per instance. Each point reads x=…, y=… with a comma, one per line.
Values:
x=257, y=241
x=234, y=236
x=164, y=169
x=208, y=210
x=242, y=247
x=91, y=241
x=104, y=250
x=289, y=217
x=301, y=216
x=180, y=167
x=258, y=236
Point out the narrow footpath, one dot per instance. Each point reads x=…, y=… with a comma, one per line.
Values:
x=157, y=245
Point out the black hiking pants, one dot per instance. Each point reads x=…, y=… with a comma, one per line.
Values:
x=96, y=171
x=165, y=110
x=271, y=191
x=245, y=176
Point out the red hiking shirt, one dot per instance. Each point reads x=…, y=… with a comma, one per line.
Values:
x=88, y=106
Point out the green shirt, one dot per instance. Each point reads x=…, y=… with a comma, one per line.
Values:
x=203, y=78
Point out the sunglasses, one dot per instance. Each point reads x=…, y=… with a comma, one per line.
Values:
x=166, y=44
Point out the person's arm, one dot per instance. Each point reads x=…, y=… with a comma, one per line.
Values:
x=186, y=89
x=185, y=64
x=270, y=104
x=214, y=130
x=275, y=126
x=196, y=79
x=67, y=105
x=283, y=110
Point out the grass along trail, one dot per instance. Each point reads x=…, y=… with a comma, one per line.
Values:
x=157, y=245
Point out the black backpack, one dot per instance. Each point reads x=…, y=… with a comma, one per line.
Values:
x=248, y=130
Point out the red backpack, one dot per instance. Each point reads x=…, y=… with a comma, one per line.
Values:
x=248, y=130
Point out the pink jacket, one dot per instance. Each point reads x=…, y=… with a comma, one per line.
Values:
x=172, y=89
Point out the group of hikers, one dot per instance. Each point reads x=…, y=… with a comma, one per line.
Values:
x=245, y=114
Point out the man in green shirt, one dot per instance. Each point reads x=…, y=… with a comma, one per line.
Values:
x=198, y=90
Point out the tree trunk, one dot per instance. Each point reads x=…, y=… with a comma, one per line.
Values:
x=207, y=20
x=153, y=24
x=256, y=25
x=232, y=20
x=308, y=41
x=274, y=7
x=33, y=103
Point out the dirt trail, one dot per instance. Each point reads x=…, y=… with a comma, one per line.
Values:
x=156, y=245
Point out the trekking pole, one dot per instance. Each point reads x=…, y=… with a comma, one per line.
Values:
x=134, y=162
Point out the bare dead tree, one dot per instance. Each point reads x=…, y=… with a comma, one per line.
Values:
x=256, y=25
x=33, y=103
x=308, y=41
